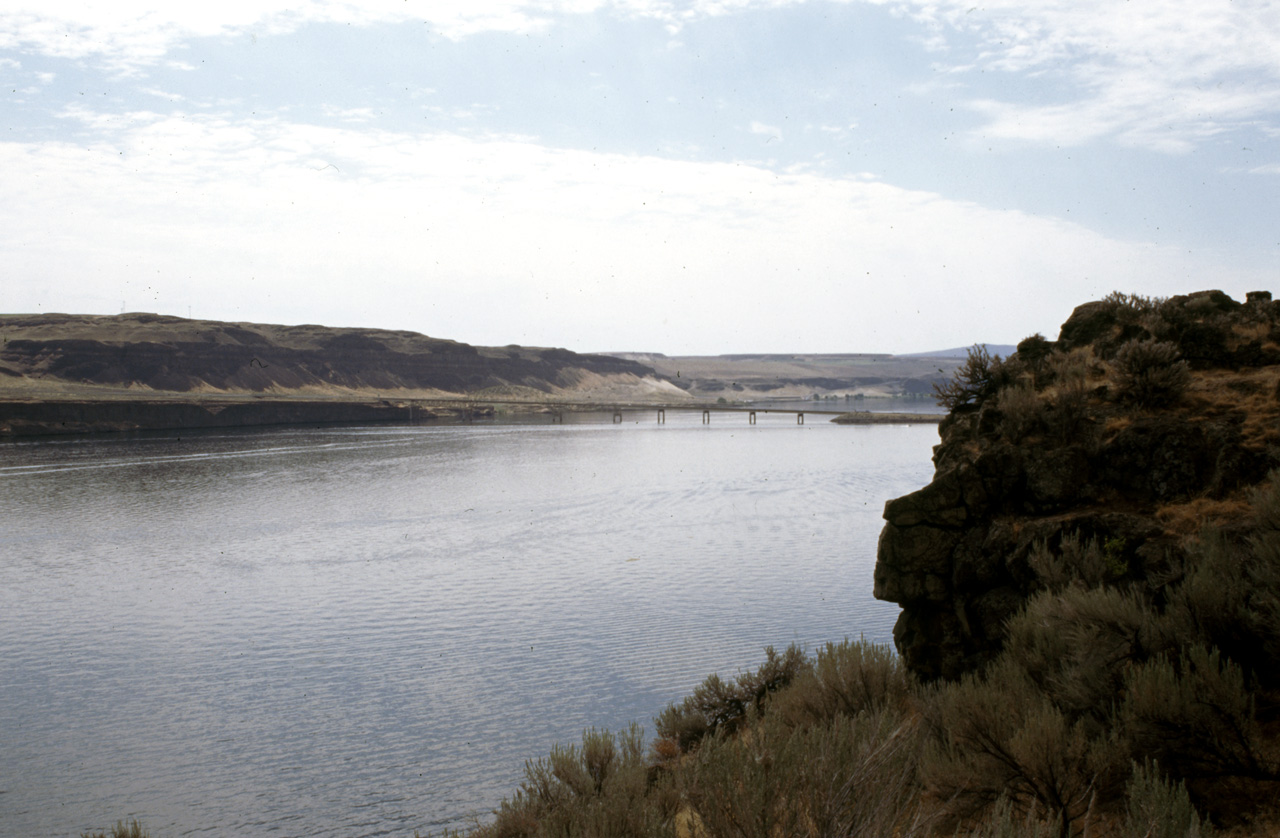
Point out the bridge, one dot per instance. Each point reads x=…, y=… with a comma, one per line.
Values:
x=557, y=409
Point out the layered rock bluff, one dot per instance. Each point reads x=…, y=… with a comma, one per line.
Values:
x=1145, y=420
x=160, y=353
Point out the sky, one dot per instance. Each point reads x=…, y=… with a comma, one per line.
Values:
x=678, y=176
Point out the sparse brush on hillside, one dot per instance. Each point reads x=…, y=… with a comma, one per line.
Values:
x=853, y=746
x=1149, y=373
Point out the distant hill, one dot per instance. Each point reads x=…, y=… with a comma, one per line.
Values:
x=755, y=376
x=1004, y=350
x=47, y=354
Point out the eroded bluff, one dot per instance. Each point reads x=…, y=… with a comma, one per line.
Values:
x=1144, y=421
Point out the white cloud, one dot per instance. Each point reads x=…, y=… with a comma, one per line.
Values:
x=500, y=240
x=1161, y=75
x=772, y=132
x=129, y=34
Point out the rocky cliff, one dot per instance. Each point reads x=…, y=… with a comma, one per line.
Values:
x=1144, y=421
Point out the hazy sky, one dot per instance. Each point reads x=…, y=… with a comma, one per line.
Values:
x=685, y=176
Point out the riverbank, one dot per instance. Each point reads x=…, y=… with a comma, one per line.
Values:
x=22, y=418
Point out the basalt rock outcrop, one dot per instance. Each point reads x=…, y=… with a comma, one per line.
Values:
x=174, y=354
x=1144, y=421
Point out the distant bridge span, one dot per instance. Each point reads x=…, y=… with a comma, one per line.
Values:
x=556, y=410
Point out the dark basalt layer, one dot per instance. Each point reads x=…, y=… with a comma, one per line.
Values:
x=1058, y=443
x=178, y=355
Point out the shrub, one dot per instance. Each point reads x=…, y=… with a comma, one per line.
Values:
x=1077, y=645
x=980, y=377
x=601, y=788
x=1003, y=822
x=1129, y=309
x=845, y=680
x=1195, y=716
x=1149, y=374
x=1070, y=374
x=719, y=705
x=997, y=735
x=850, y=776
x=1033, y=352
x=1157, y=808
x=1078, y=561
x=1021, y=411
x=1229, y=599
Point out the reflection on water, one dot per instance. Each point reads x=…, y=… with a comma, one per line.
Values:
x=366, y=631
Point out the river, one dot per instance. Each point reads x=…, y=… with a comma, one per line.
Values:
x=365, y=631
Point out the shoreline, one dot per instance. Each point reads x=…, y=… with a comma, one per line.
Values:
x=32, y=417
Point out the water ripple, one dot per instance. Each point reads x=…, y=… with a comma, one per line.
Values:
x=367, y=631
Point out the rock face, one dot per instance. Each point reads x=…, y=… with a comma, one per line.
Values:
x=178, y=355
x=1083, y=439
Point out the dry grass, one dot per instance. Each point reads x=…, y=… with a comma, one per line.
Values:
x=1250, y=394
x=1188, y=519
x=1245, y=333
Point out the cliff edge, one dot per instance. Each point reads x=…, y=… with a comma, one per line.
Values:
x=1143, y=422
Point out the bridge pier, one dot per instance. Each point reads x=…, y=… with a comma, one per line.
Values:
x=706, y=417
x=751, y=418
x=800, y=418
x=662, y=416
x=557, y=417
x=617, y=416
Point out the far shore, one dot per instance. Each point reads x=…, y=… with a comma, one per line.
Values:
x=66, y=413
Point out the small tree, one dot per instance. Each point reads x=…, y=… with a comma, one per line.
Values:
x=980, y=377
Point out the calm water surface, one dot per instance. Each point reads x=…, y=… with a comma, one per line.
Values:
x=366, y=631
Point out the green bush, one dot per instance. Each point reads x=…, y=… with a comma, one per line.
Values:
x=1149, y=374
